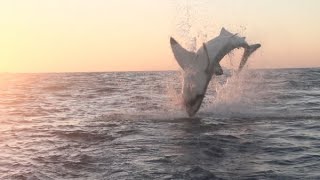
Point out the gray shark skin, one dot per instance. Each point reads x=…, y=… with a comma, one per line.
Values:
x=199, y=67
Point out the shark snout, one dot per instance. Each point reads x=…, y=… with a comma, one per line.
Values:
x=193, y=105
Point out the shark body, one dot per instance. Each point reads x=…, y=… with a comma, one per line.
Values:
x=199, y=67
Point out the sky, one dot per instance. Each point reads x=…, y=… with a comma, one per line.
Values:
x=127, y=35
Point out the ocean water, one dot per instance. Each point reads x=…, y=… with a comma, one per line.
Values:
x=260, y=124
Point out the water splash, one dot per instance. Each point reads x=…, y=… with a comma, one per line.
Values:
x=192, y=25
x=238, y=93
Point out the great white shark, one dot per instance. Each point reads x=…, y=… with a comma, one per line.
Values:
x=199, y=67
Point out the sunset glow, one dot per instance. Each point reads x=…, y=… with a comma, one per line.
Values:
x=78, y=35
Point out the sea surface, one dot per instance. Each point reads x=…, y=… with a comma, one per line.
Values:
x=259, y=124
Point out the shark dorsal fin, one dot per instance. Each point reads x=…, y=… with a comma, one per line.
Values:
x=184, y=57
x=224, y=32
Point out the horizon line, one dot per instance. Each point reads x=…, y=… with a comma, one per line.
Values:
x=141, y=71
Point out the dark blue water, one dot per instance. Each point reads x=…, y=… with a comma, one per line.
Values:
x=261, y=124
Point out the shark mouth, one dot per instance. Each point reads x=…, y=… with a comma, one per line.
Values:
x=193, y=106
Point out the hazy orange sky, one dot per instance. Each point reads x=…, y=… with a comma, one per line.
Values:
x=113, y=35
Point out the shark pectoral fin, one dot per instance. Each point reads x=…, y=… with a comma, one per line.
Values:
x=184, y=57
x=218, y=69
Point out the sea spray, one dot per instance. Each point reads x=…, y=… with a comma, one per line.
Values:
x=191, y=25
x=236, y=93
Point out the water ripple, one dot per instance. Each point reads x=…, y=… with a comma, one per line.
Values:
x=263, y=124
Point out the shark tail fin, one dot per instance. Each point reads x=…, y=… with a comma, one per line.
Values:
x=184, y=57
x=247, y=52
